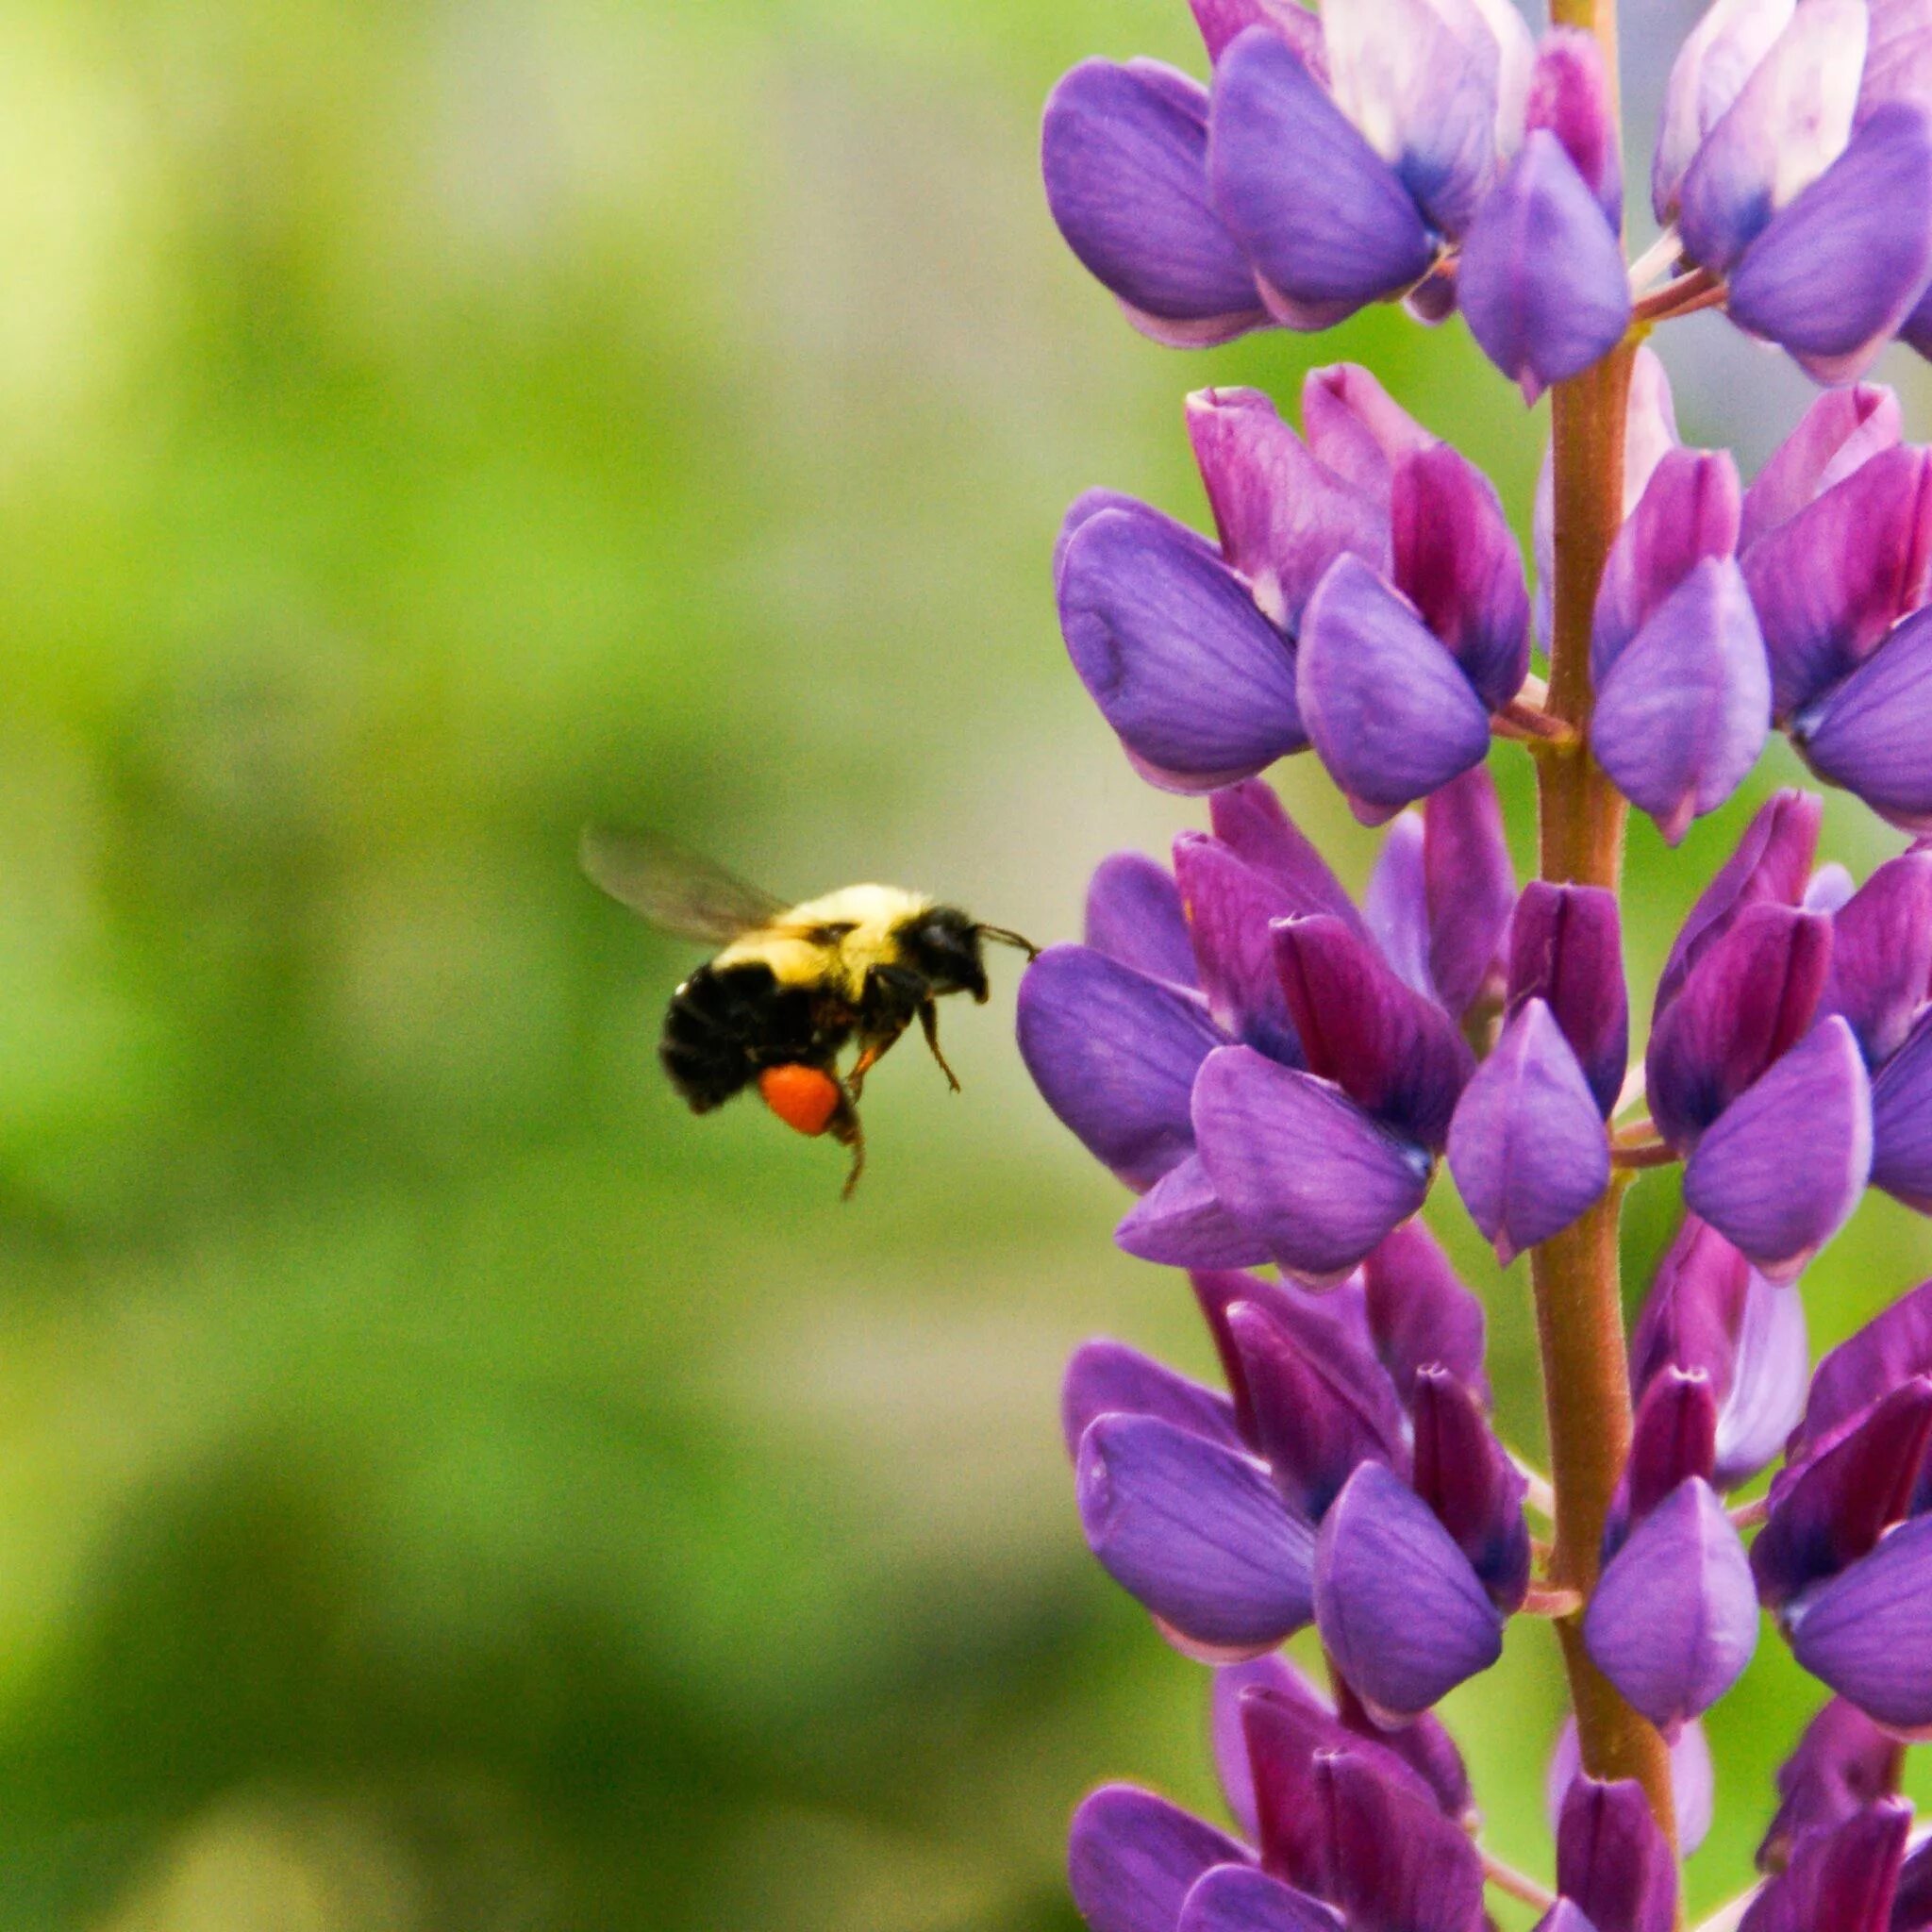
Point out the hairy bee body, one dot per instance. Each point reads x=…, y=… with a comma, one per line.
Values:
x=793, y=986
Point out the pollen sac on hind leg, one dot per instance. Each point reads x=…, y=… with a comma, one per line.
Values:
x=807, y=1099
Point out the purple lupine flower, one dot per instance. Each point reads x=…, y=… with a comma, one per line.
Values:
x=1800, y=176
x=1739, y=1052
x=1692, y=1785
x=1339, y=1484
x=1842, y=1763
x=1843, y=1556
x=1841, y=1875
x=1281, y=1095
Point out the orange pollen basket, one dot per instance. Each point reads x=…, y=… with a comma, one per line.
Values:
x=805, y=1098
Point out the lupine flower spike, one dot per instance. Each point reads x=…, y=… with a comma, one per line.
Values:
x=1275, y=1068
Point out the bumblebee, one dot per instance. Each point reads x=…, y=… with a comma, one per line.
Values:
x=794, y=985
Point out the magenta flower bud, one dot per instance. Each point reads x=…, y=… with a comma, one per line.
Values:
x=1455, y=560
x=1421, y=1314
x=1841, y=431
x=1528, y=1146
x=1750, y=999
x=1318, y=1414
x=1196, y=1531
x=1743, y=1178
x=1673, y=1437
x=1282, y=517
x=1842, y=1763
x=1543, y=283
x=1390, y=712
x=1881, y=957
x=1689, y=511
x=1114, y=1053
x=1132, y=1859
x=1394, y=1052
x=1830, y=582
x=1248, y=819
x=1229, y=906
x=1400, y=1608
x=1134, y=918
x=1710, y=1313
x=1692, y=1781
x=1323, y=219
x=1124, y=150
x=1772, y=865
x=1674, y=1618
x=1566, y=950
x=1108, y=1378
x=1196, y=682
x=1295, y=1161
x=1829, y=1512
x=1838, y=272
x=1869, y=734
x=1612, y=1862
x=1684, y=711
x=1466, y=1477
x=1469, y=888
x=1845, y=1877
x=1357, y=428
x=1570, y=94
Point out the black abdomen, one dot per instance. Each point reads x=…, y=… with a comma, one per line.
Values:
x=725, y=1025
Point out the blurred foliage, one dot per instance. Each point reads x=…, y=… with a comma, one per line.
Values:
x=444, y=1486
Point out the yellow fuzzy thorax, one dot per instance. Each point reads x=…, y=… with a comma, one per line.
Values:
x=832, y=942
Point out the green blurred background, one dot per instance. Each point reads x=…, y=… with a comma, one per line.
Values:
x=441, y=1484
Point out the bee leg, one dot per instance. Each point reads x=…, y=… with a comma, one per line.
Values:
x=848, y=1133
x=929, y=1025
x=869, y=1055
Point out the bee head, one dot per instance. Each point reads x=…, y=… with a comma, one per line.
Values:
x=944, y=945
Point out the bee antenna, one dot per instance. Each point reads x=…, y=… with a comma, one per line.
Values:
x=1007, y=938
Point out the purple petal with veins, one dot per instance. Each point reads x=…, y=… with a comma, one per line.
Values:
x=1873, y=734
x=1132, y=1859
x=1400, y=1608
x=1196, y=1531
x=1528, y=1146
x=1784, y=1165
x=1239, y=1898
x=1322, y=216
x=1845, y=1877
x=1249, y=818
x=1837, y=273
x=1195, y=680
x=1114, y=1053
x=1134, y=917
x=1124, y=155
x=1867, y=1633
x=1389, y=711
x=1685, y=711
x=1298, y=1163
x=1230, y=906
x=1180, y=1222
x=1718, y=56
x=1543, y=283
x=1108, y=1377
x=1893, y=1347
x=1881, y=955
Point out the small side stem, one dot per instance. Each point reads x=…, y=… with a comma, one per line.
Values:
x=1507, y=1878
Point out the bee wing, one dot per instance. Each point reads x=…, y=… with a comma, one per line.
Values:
x=675, y=891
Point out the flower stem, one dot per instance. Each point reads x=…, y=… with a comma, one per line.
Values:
x=1576, y=1277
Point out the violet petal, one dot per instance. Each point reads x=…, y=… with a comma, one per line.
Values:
x=1873, y=734
x=1125, y=154
x=1387, y=707
x=1842, y=1763
x=1229, y=908
x=1902, y=1121
x=1685, y=711
x=1196, y=682
x=1114, y=1053
x=1881, y=957
x=1892, y=1348
x=1612, y=1860
x=1134, y=917
x=1399, y=1606
x=1357, y=428
x=1718, y=56
x=1320, y=215
x=1108, y=1377
x=1566, y=949
x=1784, y=1165
x=1470, y=886
x=1570, y=94
x=1181, y=1223
x=1867, y=1633
x=1240, y=1898
x=1420, y=1312
x=1249, y=818
x=1466, y=1477
x=1692, y=1781
x=1842, y=430
x=1194, y=1531
x=1132, y=1858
